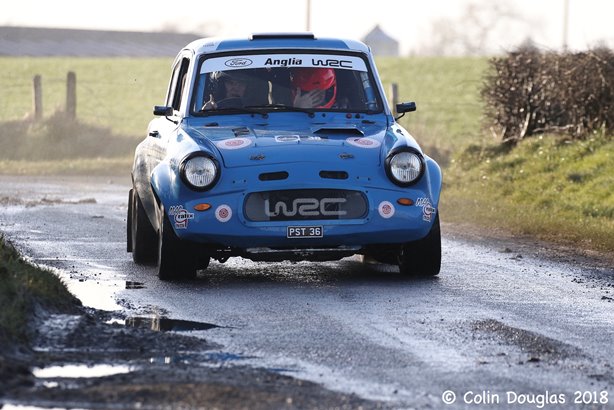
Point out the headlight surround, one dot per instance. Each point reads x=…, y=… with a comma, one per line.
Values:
x=200, y=171
x=404, y=166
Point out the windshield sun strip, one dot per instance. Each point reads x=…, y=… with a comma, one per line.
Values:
x=375, y=90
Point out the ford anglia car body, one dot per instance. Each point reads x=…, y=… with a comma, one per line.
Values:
x=301, y=160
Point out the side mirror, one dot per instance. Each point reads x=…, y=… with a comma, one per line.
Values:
x=162, y=110
x=405, y=107
x=402, y=108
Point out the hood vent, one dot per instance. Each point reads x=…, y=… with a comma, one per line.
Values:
x=239, y=132
x=339, y=131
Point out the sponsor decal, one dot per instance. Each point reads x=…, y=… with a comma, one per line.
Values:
x=287, y=138
x=238, y=62
x=180, y=215
x=330, y=62
x=427, y=209
x=284, y=62
x=234, y=143
x=427, y=213
x=315, y=62
x=386, y=209
x=423, y=202
x=340, y=62
x=298, y=138
x=363, y=142
x=313, y=138
x=223, y=213
x=306, y=207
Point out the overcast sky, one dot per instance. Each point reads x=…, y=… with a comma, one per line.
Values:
x=415, y=24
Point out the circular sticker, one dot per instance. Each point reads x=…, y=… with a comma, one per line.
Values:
x=234, y=143
x=385, y=209
x=363, y=142
x=223, y=213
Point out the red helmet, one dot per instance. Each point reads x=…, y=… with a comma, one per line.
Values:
x=308, y=79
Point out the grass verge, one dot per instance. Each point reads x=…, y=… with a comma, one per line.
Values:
x=24, y=288
x=546, y=187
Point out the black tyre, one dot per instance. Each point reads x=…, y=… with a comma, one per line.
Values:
x=142, y=241
x=203, y=262
x=422, y=257
x=176, y=258
x=129, y=223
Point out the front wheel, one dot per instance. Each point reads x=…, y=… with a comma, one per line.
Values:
x=176, y=259
x=422, y=257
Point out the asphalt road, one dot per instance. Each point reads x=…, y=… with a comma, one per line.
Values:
x=507, y=324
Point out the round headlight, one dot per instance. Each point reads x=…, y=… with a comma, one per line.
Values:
x=405, y=167
x=199, y=172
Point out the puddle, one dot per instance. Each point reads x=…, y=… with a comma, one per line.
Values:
x=9, y=406
x=161, y=324
x=86, y=283
x=80, y=371
x=226, y=357
x=213, y=359
x=115, y=321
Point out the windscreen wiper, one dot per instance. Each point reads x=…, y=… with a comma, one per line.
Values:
x=285, y=107
x=233, y=110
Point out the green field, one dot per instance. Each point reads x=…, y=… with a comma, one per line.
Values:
x=545, y=187
x=111, y=92
x=446, y=91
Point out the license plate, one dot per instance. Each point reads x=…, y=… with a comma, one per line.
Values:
x=304, y=232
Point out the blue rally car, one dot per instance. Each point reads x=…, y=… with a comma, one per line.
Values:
x=280, y=147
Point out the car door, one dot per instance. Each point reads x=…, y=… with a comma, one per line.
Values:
x=161, y=133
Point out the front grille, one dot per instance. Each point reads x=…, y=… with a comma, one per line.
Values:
x=305, y=205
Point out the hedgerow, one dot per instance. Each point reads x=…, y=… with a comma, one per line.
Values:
x=528, y=92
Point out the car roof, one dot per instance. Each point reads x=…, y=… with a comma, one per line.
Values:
x=259, y=41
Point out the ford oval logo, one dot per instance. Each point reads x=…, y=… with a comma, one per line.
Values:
x=238, y=62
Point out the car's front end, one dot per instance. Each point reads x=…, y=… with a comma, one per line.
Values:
x=295, y=189
x=273, y=179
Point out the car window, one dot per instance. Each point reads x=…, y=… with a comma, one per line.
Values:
x=178, y=83
x=284, y=82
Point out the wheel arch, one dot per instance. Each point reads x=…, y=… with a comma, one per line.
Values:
x=435, y=178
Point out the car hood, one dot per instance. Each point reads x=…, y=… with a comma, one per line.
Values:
x=247, y=146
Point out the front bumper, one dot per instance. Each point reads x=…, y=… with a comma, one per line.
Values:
x=224, y=222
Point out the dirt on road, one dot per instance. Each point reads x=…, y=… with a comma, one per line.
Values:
x=83, y=361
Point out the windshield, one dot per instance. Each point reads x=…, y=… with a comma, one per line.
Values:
x=285, y=82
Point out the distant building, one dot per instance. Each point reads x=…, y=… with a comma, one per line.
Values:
x=381, y=43
x=40, y=42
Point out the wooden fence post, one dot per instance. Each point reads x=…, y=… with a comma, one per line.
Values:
x=37, y=97
x=71, y=95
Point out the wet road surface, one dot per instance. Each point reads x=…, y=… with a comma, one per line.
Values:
x=502, y=325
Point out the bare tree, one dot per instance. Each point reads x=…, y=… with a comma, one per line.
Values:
x=480, y=25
